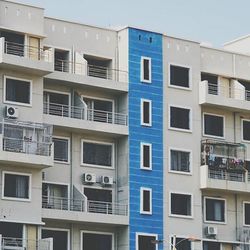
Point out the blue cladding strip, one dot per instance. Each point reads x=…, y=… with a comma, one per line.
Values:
x=138, y=47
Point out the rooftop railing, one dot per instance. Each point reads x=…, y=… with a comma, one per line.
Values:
x=31, y=52
x=85, y=114
x=90, y=70
x=62, y=203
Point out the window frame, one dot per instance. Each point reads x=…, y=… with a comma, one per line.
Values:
x=142, y=69
x=102, y=143
x=203, y=125
x=171, y=236
x=244, y=213
x=150, y=212
x=190, y=130
x=13, y=102
x=63, y=138
x=142, y=158
x=190, y=161
x=150, y=112
x=242, y=132
x=16, y=198
x=137, y=234
x=191, y=204
x=95, y=232
x=225, y=210
x=189, y=76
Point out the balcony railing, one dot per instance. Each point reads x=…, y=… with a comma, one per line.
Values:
x=31, y=52
x=90, y=70
x=7, y=243
x=226, y=175
x=62, y=203
x=85, y=114
x=26, y=146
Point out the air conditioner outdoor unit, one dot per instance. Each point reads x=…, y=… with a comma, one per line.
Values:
x=11, y=112
x=211, y=231
x=89, y=178
x=106, y=180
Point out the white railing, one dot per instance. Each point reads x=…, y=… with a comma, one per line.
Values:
x=8, y=243
x=222, y=174
x=85, y=114
x=62, y=203
x=90, y=70
x=221, y=90
x=31, y=52
x=26, y=146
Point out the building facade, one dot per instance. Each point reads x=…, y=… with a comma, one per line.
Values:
x=120, y=139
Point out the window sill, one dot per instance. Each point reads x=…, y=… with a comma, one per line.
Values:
x=180, y=130
x=214, y=136
x=182, y=216
x=179, y=87
x=16, y=199
x=146, y=169
x=29, y=105
x=215, y=222
x=145, y=213
x=62, y=162
x=96, y=166
x=180, y=172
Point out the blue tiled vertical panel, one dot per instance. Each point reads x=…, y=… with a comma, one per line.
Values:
x=137, y=133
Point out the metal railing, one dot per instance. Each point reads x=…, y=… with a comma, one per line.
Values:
x=26, y=146
x=90, y=70
x=31, y=52
x=8, y=243
x=85, y=114
x=234, y=93
x=62, y=203
x=226, y=175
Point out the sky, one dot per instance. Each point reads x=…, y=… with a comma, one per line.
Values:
x=210, y=21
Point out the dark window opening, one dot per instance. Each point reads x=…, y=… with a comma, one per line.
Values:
x=209, y=245
x=246, y=130
x=179, y=76
x=146, y=67
x=145, y=242
x=17, y=91
x=146, y=201
x=146, y=156
x=215, y=210
x=94, y=241
x=181, y=244
x=16, y=186
x=180, y=161
x=150, y=39
x=146, y=116
x=61, y=60
x=60, y=238
x=181, y=204
x=61, y=149
x=213, y=125
x=11, y=230
x=247, y=213
x=180, y=118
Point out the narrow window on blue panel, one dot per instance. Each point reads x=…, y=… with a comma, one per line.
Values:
x=146, y=156
x=146, y=112
x=145, y=200
x=146, y=69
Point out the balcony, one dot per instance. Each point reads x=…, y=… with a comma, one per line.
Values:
x=84, y=118
x=223, y=167
x=84, y=210
x=20, y=149
x=7, y=243
x=89, y=75
x=26, y=58
x=232, y=97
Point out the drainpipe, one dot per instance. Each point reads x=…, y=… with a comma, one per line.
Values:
x=71, y=148
x=236, y=216
x=234, y=127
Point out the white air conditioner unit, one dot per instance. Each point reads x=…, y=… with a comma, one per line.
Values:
x=11, y=112
x=89, y=178
x=106, y=180
x=211, y=231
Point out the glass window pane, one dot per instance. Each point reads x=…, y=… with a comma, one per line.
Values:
x=61, y=149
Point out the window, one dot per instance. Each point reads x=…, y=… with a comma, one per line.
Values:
x=146, y=112
x=181, y=204
x=97, y=154
x=146, y=69
x=213, y=125
x=96, y=241
x=17, y=91
x=145, y=241
x=16, y=186
x=181, y=243
x=61, y=149
x=146, y=201
x=210, y=245
x=180, y=118
x=246, y=209
x=179, y=160
x=214, y=210
x=246, y=130
x=11, y=230
x=146, y=156
x=60, y=238
x=179, y=76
